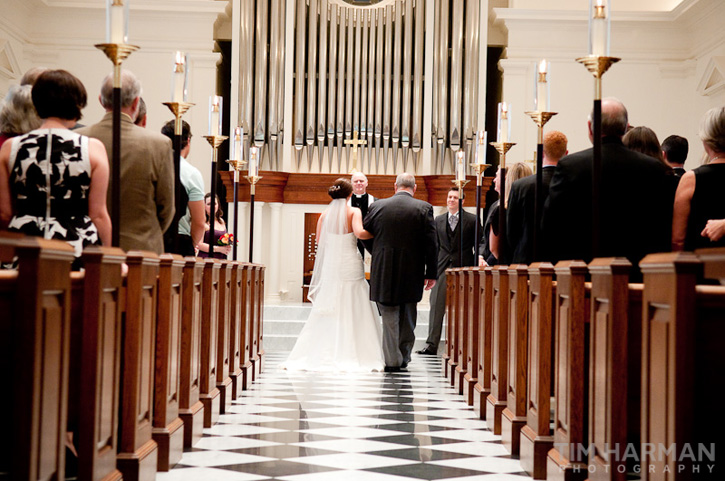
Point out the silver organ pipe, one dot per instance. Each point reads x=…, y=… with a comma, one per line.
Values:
x=260, y=90
x=322, y=72
x=388, y=58
x=364, y=81
x=299, y=114
x=311, y=80
x=397, y=66
x=379, y=87
x=340, y=130
x=348, y=80
x=456, y=73
x=371, y=88
x=246, y=74
x=331, y=83
x=418, y=59
x=443, y=86
x=274, y=47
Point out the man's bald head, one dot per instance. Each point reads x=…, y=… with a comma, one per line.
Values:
x=359, y=183
x=614, y=118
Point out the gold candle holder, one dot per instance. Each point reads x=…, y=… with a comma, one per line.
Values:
x=598, y=66
x=252, y=182
x=215, y=140
x=460, y=183
x=540, y=119
x=479, y=169
x=502, y=148
x=178, y=109
x=117, y=52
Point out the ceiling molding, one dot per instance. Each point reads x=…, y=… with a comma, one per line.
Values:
x=175, y=6
x=9, y=67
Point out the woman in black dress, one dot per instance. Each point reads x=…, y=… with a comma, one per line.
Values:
x=219, y=229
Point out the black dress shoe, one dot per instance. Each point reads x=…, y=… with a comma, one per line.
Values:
x=392, y=368
x=427, y=351
x=404, y=365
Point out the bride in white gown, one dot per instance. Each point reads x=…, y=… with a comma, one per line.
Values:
x=343, y=332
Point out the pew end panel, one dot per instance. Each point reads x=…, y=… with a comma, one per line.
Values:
x=235, y=327
x=191, y=409
x=223, y=380
x=472, y=334
x=450, y=297
x=514, y=415
x=485, y=319
x=536, y=436
x=99, y=299
x=138, y=453
x=38, y=298
x=572, y=313
x=496, y=401
x=208, y=392
x=247, y=329
x=168, y=427
x=461, y=331
x=608, y=369
x=260, y=319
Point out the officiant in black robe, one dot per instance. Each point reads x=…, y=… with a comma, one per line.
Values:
x=360, y=199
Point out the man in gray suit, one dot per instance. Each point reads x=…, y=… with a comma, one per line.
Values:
x=147, y=169
x=404, y=253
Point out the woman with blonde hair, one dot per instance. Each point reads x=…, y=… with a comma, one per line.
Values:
x=489, y=250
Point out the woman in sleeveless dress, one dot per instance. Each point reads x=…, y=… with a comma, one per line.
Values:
x=53, y=181
x=220, y=228
x=343, y=332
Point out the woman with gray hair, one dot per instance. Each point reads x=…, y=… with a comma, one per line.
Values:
x=17, y=114
x=699, y=212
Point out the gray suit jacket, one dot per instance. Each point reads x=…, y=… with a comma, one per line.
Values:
x=147, y=182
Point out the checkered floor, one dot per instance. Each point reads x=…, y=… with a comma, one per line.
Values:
x=335, y=427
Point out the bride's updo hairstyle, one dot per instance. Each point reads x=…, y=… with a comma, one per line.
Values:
x=340, y=189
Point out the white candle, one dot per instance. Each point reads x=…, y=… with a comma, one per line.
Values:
x=482, y=136
x=599, y=28
x=116, y=21
x=542, y=87
x=178, y=93
x=461, y=166
x=215, y=115
x=236, y=153
x=253, y=153
x=504, y=122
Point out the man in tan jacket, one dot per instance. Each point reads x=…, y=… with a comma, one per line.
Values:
x=147, y=169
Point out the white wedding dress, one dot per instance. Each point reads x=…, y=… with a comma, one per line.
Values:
x=343, y=332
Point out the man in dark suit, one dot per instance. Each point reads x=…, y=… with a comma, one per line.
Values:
x=404, y=249
x=360, y=199
x=674, y=150
x=636, y=199
x=520, y=221
x=449, y=227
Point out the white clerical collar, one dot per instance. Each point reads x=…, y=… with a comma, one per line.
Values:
x=359, y=195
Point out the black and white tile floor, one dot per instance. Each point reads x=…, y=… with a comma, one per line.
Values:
x=333, y=427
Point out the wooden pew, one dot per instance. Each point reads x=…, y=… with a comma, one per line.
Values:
x=514, y=415
x=461, y=330
x=247, y=329
x=167, y=425
x=223, y=381
x=259, y=320
x=35, y=336
x=485, y=320
x=682, y=359
x=615, y=360
x=236, y=326
x=97, y=306
x=138, y=452
x=496, y=401
x=536, y=436
x=448, y=354
x=571, y=373
x=191, y=409
x=208, y=390
x=473, y=333
x=453, y=314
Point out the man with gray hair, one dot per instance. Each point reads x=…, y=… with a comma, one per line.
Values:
x=147, y=169
x=404, y=262
x=636, y=199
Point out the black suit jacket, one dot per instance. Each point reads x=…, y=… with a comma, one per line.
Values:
x=404, y=249
x=520, y=216
x=636, y=208
x=449, y=242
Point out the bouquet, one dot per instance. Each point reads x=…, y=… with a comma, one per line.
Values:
x=226, y=240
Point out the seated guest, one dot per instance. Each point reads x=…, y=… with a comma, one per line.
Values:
x=520, y=221
x=489, y=249
x=192, y=224
x=636, y=199
x=53, y=181
x=219, y=229
x=699, y=201
x=674, y=151
x=17, y=114
x=147, y=169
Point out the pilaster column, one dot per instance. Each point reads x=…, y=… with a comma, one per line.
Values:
x=274, y=260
